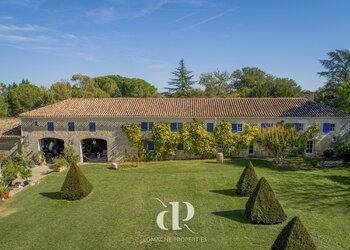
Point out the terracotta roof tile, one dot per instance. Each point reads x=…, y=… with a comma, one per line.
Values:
x=10, y=127
x=186, y=107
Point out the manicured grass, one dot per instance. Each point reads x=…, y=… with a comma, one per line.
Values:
x=121, y=210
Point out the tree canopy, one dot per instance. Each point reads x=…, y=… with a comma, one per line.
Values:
x=182, y=82
x=337, y=74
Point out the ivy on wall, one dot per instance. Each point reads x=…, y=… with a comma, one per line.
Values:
x=197, y=141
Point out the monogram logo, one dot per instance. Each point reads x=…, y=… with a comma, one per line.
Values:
x=175, y=209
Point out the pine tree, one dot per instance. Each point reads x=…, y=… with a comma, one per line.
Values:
x=263, y=207
x=294, y=236
x=182, y=82
x=247, y=182
x=75, y=186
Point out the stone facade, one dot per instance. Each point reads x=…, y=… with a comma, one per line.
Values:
x=109, y=129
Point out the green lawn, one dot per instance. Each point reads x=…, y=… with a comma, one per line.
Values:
x=121, y=211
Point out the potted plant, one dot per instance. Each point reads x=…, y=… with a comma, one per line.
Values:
x=5, y=192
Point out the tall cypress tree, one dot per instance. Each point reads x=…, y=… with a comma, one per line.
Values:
x=182, y=81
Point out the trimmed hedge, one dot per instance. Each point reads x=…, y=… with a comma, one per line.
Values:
x=75, y=186
x=294, y=236
x=247, y=182
x=263, y=207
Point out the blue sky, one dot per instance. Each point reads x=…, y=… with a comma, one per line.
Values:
x=46, y=40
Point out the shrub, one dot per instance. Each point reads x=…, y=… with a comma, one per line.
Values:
x=315, y=163
x=263, y=207
x=75, y=186
x=328, y=153
x=58, y=162
x=247, y=182
x=341, y=148
x=70, y=156
x=294, y=236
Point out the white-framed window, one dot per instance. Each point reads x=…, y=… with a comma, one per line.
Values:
x=146, y=126
x=309, y=147
x=239, y=127
x=36, y=123
x=332, y=127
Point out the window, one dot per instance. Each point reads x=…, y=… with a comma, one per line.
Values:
x=328, y=127
x=92, y=127
x=234, y=127
x=266, y=125
x=299, y=126
x=50, y=126
x=36, y=124
x=251, y=149
x=176, y=126
x=309, y=147
x=150, y=146
x=180, y=146
x=239, y=127
x=71, y=126
x=210, y=127
x=146, y=126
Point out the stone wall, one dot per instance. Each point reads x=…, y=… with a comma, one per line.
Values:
x=109, y=129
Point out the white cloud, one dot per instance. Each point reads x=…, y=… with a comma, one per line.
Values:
x=6, y=17
x=106, y=14
x=20, y=38
x=26, y=27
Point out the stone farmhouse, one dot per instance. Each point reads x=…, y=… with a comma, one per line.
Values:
x=93, y=126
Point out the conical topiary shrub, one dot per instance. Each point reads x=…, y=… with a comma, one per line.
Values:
x=294, y=236
x=247, y=182
x=75, y=186
x=262, y=206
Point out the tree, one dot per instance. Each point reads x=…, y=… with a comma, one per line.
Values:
x=182, y=82
x=253, y=82
x=86, y=87
x=133, y=87
x=294, y=236
x=3, y=107
x=344, y=96
x=75, y=186
x=279, y=140
x=108, y=85
x=263, y=207
x=61, y=91
x=216, y=83
x=337, y=72
x=23, y=98
x=248, y=180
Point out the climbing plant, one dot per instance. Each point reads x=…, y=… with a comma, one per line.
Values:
x=134, y=134
x=198, y=141
x=165, y=141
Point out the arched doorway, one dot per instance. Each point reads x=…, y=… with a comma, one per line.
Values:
x=51, y=147
x=94, y=150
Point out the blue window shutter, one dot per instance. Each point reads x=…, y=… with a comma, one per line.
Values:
x=92, y=126
x=180, y=146
x=297, y=126
x=263, y=125
x=50, y=126
x=71, y=126
x=150, y=145
x=326, y=127
x=234, y=127
x=144, y=126
x=173, y=126
x=210, y=127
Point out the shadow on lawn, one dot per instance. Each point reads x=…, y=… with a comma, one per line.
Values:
x=228, y=192
x=236, y=215
x=52, y=195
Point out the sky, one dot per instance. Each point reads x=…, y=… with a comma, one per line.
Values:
x=46, y=41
